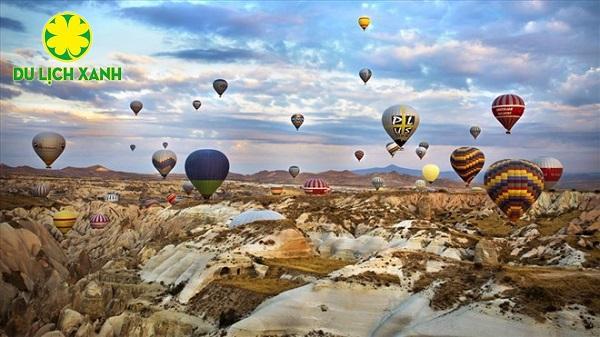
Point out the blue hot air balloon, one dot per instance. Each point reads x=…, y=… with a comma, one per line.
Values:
x=206, y=169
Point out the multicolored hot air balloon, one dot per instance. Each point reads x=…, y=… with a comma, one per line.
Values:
x=48, y=146
x=514, y=185
x=64, y=220
x=377, y=182
x=196, y=104
x=552, y=169
x=364, y=22
x=136, y=107
x=165, y=144
x=508, y=109
x=187, y=187
x=467, y=162
x=400, y=122
x=40, y=190
x=297, y=120
x=294, y=171
x=220, y=85
x=421, y=151
x=164, y=161
x=99, y=221
x=431, y=172
x=365, y=74
x=359, y=154
x=316, y=186
x=392, y=148
x=172, y=198
x=206, y=169
x=132, y=147
x=475, y=131
x=424, y=144
x=277, y=190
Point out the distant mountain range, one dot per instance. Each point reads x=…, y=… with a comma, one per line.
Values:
x=394, y=176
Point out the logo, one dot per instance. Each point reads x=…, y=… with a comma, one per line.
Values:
x=403, y=124
x=67, y=36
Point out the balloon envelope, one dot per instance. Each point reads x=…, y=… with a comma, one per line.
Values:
x=164, y=161
x=514, y=185
x=136, y=107
x=132, y=147
x=508, y=109
x=40, y=190
x=64, y=220
x=48, y=146
x=220, y=85
x=421, y=151
x=431, y=172
x=365, y=74
x=424, y=145
x=552, y=169
x=400, y=122
x=364, y=22
x=99, y=221
x=475, y=131
x=359, y=154
x=377, y=182
x=165, y=144
x=297, y=120
x=467, y=162
x=420, y=184
x=196, y=104
x=294, y=171
x=206, y=169
x=392, y=148
x=187, y=187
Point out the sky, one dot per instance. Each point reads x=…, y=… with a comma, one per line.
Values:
x=447, y=59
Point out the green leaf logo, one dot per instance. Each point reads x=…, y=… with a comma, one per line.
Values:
x=67, y=36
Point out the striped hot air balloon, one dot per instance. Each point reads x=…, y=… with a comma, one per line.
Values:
x=40, y=190
x=99, y=221
x=552, y=169
x=277, y=190
x=377, y=182
x=392, y=148
x=172, y=198
x=514, y=185
x=64, y=220
x=316, y=186
x=420, y=184
x=467, y=162
x=508, y=109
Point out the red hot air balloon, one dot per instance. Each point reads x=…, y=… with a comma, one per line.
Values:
x=172, y=198
x=508, y=109
x=552, y=169
x=316, y=186
x=99, y=221
x=359, y=154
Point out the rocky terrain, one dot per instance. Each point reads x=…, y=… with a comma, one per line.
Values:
x=353, y=263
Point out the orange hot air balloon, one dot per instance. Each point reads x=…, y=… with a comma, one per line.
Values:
x=364, y=22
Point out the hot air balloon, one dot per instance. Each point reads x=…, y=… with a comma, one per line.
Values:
x=514, y=185
x=467, y=162
x=99, y=221
x=220, y=85
x=400, y=122
x=359, y=154
x=392, y=148
x=40, y=190
x=431, y=172
x=136, y=107
x=187, y=187
x=294, y=171
x=64, y=220
x=364, y=22
x=424, y=144
x=421, y=151
x=164, y=161
x=420, y=184
x=297, y=120
x=315, y=186
x=377, y=182
x=196, y=104
x=206, y=169
x=276, y=190
x=551, y=168
x=475, y=131
x=165, y=144
x=48, y=146
x=365, y=74
x=132, y=147
x=172, y=198
x=508, y=109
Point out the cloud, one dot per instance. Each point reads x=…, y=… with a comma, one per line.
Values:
x=8, y=93
x=224, y=55
x=581, y=89
x=11, y=24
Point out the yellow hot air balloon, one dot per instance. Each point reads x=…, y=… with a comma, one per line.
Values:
x=364, y=22
x=64, y=220
x=431, y=172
